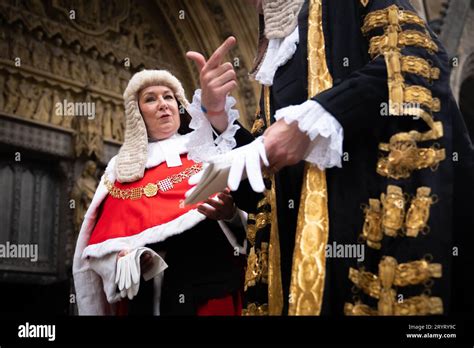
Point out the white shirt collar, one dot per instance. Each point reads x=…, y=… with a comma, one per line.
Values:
x=161, y=150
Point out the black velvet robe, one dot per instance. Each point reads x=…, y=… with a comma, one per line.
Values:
x=355, y=100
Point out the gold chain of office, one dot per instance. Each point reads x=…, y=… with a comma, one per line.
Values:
x=151, y=189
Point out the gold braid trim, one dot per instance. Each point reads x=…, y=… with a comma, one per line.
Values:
x=393, y=210
x=275, y=289
x=380, y=44
x=251, y=229
x=405, y=157
x=257, y=126
x=381, y=287
x=312, y=229
x=419, y=212
x=390, y=44
x=416, y=305
x=380, y=18
x=419, y=66
x=418, y=95
x=393, y=274
x=257, y=266
x=387, y=215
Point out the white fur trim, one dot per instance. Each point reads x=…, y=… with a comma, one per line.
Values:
x=151, y=235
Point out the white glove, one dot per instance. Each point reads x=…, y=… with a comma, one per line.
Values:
x=243, y=158
x=127, y=275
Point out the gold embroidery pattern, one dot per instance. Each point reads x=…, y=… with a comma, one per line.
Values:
x=257, y=266
x=253, y=310
x=309, y=258
x=393, y=274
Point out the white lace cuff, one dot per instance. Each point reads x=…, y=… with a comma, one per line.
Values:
x=279, y=51
x=202, y=144
x=323, y=129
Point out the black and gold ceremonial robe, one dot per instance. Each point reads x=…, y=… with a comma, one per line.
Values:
x=407, y=168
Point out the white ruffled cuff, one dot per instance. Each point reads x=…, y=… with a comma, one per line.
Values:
x=323, y=129
x=202, y=144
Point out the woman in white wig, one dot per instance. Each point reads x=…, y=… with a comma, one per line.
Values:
x=137, y=227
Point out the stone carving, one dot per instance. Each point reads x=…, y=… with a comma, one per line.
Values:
x=66, y=120
x=43, y=110
x=39, y=52
x=59, y=61
x=94, y=17
x=12, y=94
x=4, y=42
x=107, y=121
x=124, y=76
x=94, y=70
x=2, y=88
x=76, y=65
x=110, y=74
x=29, y=94
x=118, y=123
x=89, y=133
x=56, y=118
x=20, y=45
x=35, y=6
x=82, y=193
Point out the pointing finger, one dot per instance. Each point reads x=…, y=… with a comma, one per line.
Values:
x=198, y=58
x=220, y=52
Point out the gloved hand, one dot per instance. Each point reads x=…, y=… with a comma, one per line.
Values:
x=127, y=275
x=247, y=158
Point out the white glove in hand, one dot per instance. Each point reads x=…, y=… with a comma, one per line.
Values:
x=127, y=276
x=246, y=158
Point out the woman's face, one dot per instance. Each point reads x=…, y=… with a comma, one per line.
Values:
x=160, y=111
